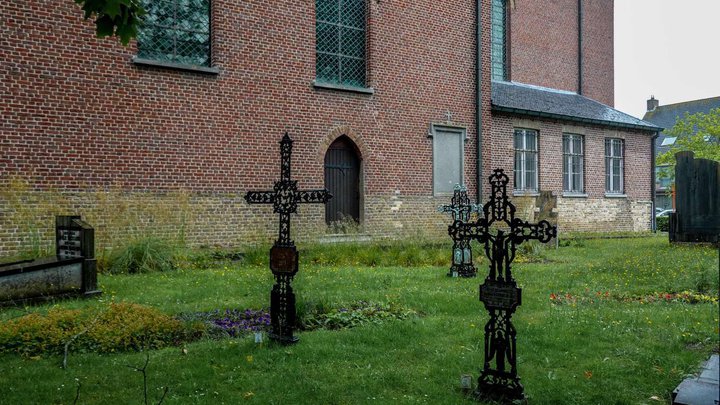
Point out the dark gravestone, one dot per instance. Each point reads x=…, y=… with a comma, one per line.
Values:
x=500, y=233
x=71, y=272
x=75, y=238
x=460, y=208
x=285, y=198
x=697, y=200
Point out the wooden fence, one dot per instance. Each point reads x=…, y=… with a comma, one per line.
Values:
x=697, y=200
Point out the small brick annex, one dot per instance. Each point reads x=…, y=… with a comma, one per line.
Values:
x=140, y=150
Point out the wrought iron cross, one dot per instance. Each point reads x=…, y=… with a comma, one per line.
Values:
x=460, y=208
x=285, y=198
x=499, y=293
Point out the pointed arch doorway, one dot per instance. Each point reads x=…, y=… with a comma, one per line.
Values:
x=342, y=179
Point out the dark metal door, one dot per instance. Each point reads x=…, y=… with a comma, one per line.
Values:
x=342, y=179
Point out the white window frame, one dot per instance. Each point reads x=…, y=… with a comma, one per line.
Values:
x=573, y=158
x=613, y=186
x=521, y=171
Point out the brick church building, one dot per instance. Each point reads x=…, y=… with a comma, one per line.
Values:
x=390, y=104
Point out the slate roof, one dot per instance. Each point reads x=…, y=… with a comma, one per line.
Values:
x=666, y=115
x=536, y=101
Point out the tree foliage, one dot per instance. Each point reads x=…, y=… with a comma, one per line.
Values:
x=119, y=18
x=699, y=133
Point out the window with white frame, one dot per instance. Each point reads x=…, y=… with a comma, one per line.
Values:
x=614, y=165
x=573, y=163
x=526, y=160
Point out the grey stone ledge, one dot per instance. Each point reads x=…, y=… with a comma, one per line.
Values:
x=574, y=195
x=178, y=66
x=610, y=195
x=525, y=193
x=352, y=89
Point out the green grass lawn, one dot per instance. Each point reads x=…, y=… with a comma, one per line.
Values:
x=602, y=322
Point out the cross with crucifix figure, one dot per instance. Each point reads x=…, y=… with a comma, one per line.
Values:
x=460, y=209
x=499, y=293
x=285, y=198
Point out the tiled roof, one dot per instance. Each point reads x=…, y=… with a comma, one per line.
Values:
x=563, y=105
x=666, y=115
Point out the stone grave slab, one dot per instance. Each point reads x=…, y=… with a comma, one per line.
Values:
x=71, y=272
x=702, y=390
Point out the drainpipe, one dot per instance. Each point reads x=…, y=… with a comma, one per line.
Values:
x=478, y=102
x=580, y=46
x=653, y=225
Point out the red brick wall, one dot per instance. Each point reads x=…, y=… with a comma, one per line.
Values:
x=544, y=46
x=593, y=212
x=80, y=116
x=637, y=150
x=598, y=51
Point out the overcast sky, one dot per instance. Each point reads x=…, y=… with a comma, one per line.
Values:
x=666, y=48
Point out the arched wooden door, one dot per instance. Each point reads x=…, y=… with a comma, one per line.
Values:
x=342, y=179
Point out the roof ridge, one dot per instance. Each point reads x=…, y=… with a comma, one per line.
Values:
x=686, y=102
x=538, y=87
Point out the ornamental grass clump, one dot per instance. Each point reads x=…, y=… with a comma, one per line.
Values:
x=144, y=255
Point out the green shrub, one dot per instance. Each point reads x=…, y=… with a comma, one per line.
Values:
x=663, y=224
x=35, y=334
x=127, y=326
x=117, y=327
x=359, y=313
x=143, y=256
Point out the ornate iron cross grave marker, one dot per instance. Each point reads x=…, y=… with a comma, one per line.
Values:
x=499, y=292
x=285, y=198
x=460, y=209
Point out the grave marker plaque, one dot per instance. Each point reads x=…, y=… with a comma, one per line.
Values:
x=500, y=233
x=75, y=238
x=285, y=198
x=68, y=241
x=72, y=271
